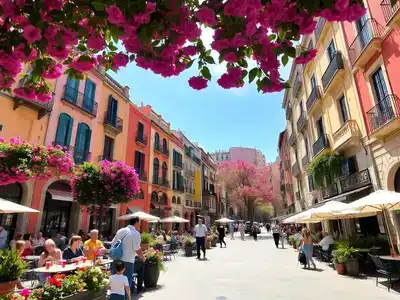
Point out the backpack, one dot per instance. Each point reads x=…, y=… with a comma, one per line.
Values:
x=116, y=249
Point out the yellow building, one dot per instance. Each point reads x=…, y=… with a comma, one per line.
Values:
x=323, y=116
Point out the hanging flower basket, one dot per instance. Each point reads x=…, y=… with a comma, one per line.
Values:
x=21, y=161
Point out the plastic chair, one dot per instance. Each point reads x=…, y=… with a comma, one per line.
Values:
x=384, y=268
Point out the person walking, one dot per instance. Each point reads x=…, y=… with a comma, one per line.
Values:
x=200, y=232
x=241, y=230
x=276, y=232
x=268, y=226
x=232, y=230
x=306, y=245
x=254, y=231
x=119, y=283
x=130, y=239
x=221, y=234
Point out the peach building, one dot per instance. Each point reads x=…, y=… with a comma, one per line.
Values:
x=249, y=155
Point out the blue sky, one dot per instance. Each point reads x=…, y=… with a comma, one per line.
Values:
x=214, y=117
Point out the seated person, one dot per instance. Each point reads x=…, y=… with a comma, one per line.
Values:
x=20, y=248
x=74, y=250
x=326, y=241
x=50, y=253
x=94, y=246
x=28, y=246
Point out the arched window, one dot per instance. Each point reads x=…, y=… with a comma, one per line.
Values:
x=164, y=146
x=82, y=143
x=156, y=166
x=173, y=199
x=156, y=141
x=154, y=197
x=164, y=171
x=178, y=200
x=64, y=129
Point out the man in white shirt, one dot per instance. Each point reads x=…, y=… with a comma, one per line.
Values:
x=200, y=232
x=130, y=238
x=3, y=238
x=326, y=241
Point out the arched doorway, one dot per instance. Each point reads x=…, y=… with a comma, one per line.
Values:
x=57, y=211
x=13, y=193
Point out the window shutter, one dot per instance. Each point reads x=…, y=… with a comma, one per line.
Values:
x=89, y=95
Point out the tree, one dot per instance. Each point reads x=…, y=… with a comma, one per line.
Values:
x=250, y=38
x=246, y=185
x=97, y=186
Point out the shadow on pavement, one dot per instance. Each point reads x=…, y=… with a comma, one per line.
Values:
x=146, y=291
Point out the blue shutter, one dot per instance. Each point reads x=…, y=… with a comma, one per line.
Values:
x=64, y=128
x=89, y=95
x=71, y=90
x=82, y=143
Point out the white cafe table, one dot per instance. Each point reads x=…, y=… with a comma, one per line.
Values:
x=31, y=257
x=60, y=269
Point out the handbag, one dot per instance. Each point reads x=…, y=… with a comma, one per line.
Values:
x=116, y=249
x=302, y=258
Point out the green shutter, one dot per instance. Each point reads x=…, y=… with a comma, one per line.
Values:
x=64, y=129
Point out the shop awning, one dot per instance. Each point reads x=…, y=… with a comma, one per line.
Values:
x=61, y=195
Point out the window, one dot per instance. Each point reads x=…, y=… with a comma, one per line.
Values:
x=82, y=143
x=363, y=30
x=344, y=117
x=156, y=141
x=71, y=90
x=164, y=145
x=89, y=95
x=306, y=146
x=164, y=172
x=313, y=82
x=178, y=200
x=140, y=131
x=139, y=162
x=177, y=158
x=331, y=51
x=379, y=84
x=112, y=111
x=320, y=127
x=156, y=166
x=173, y=199
x=108, y=151
x=173, y=179
x=349, y=166
x=64, y=129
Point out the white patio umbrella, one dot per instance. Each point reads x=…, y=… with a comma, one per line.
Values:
x=141, y=215
x=174, y=219
x=298, y=218
x=8, y=207
x=224, y=220
x=379, y=201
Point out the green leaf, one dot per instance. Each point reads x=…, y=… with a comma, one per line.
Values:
x=243, y=63
x=81, y=47
x=209, y=59
x=282, y=33
x=207, y=53
x=99, y=5
x=252, y=74
x=285, y=59
x=112, y=47
x=189, y=64
x=244, y=74
x=206, y=73
x=272, y=37
x=132, y=57
x=291, y=51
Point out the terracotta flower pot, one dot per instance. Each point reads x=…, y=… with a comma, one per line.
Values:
x=340, y=269
x=208, y=245
x=7, y=288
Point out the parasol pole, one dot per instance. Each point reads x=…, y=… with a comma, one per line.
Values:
x=388, y=229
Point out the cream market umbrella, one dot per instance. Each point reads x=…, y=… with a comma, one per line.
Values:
x=379, y=201
x=141, y=215
x=224, y=220
x=174, y=219
x=8, y=207
x=297, y=218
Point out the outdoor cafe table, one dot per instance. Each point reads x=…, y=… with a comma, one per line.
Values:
x=70, y=267
x=389, y=257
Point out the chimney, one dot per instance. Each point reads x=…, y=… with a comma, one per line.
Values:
x=126, y=91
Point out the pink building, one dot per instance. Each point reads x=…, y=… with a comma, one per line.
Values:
x=249, y=155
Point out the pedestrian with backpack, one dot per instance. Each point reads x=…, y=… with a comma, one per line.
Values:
x=126, y=246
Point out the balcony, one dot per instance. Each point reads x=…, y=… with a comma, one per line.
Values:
x=114, y=123
x=165, y=152
x=105, y=157
x=156, y=180
x=355, y=181
x=141, y=139
x=305, y=161
x=330, y=191
x=79, y=155
x=295, y=169
x=75, y=98
x=318, y=29
x=321, y=144
x=302, y=121
x=346, y=136
x=313, y=98
x=141, y=174
x=292, y=139
x=384, y=118
x=163, y=182
x=366, y=44
x=288, y=111
x=178, y=189
x=297, y=85
x=391, y=13
x=333, y=73
x=43, y=108
x=189, y=173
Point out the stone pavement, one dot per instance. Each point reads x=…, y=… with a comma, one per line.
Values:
x=258, y=271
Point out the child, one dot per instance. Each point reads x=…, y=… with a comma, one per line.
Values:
x=119, y=283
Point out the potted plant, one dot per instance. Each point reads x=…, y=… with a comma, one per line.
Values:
x=338, y=261
x=292, y=240
x=11, y=268
x=152, y=267
x=349, y=257
x=145, y=239
x=208, y=241
x=188, y=244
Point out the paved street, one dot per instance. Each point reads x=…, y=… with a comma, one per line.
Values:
x=258, y=271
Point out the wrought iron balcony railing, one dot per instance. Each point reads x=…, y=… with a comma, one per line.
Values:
x=333, y=68
x=389, y=10
x=313, y=97
x=113, y=121
x=302, y=121
x=330, y=190
x=142, y=139
x=320, y=144
x=305, y=160
x=355, y=181
x=318, y=28
x=84, y=102
x=382, y=113
x=295, y=168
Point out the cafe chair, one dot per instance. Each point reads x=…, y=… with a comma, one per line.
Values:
x=384, y=268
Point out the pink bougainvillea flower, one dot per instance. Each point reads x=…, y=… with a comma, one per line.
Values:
x=53, y=4
x=306, y=57
x=120, y=60
x=197, y=82
x=32, y=34
x=190, y=50
x=96, y=41
x=206, y=15
x=53, y=72
x=115, y=15
x=230, y=57
x=44, y=97
x=83, y=63
x=58, y=51
x=26, y=93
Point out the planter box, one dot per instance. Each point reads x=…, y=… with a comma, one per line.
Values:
x=352, y=267
x=189, y=251
x=151, y=275
x=100, y=295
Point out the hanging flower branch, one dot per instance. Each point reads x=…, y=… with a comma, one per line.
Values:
x=20, y=161
x=251, y=37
